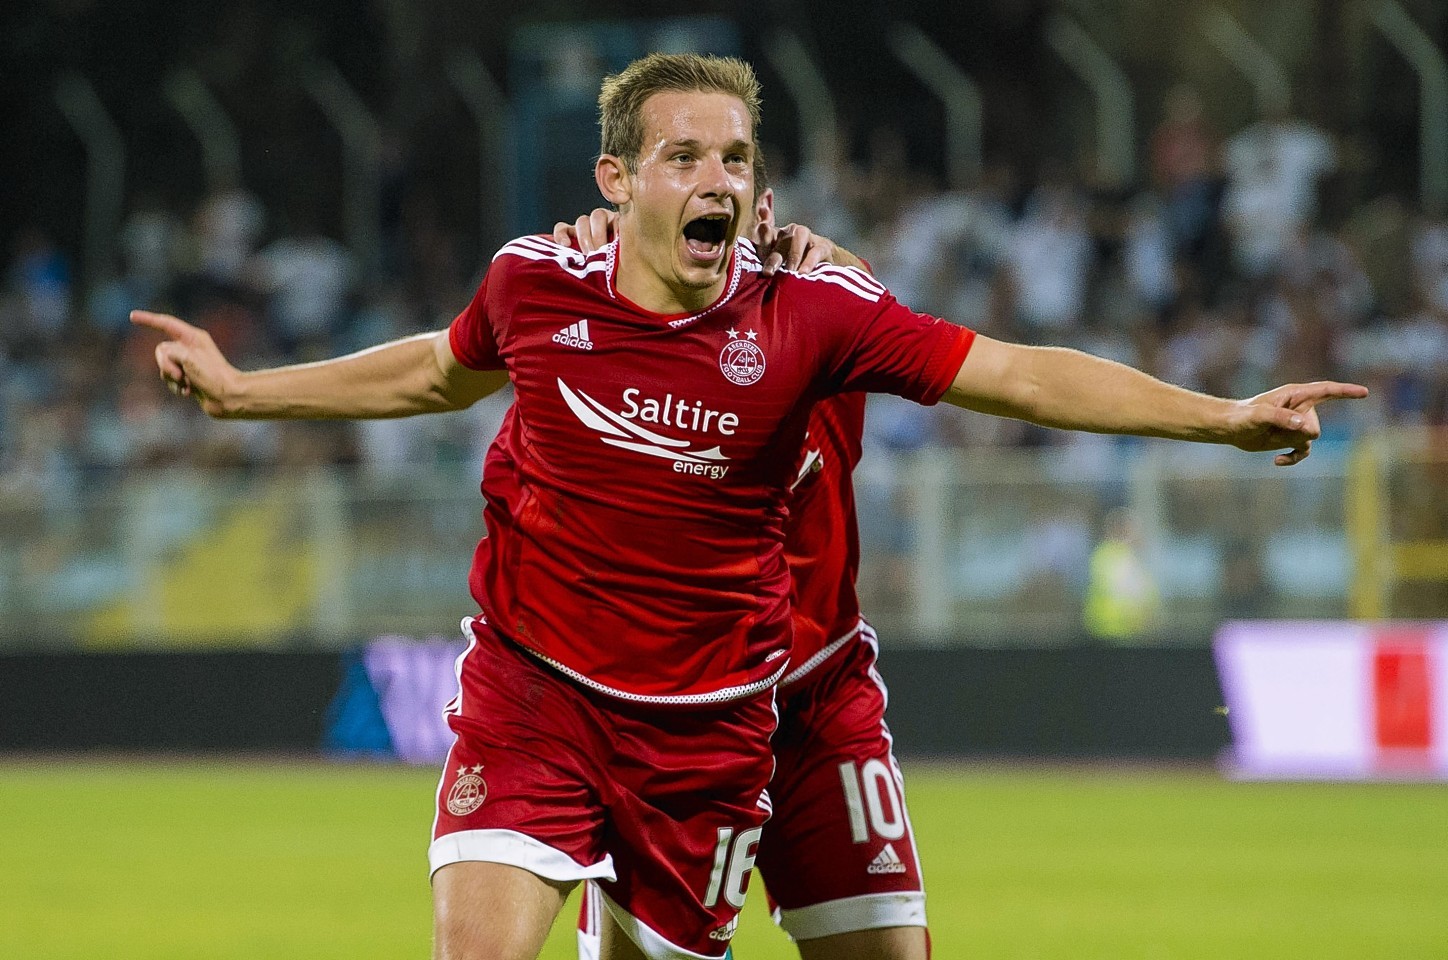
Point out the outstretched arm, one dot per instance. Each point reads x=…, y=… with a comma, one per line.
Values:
x=1056, y=387
x=417, y=374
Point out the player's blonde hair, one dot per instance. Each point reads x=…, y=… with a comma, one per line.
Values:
x=621, y=100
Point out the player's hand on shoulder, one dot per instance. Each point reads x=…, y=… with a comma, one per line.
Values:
x=189, y=361
x=1286, y=418
x=795, y=248
x=801, y=250
x=589, y=233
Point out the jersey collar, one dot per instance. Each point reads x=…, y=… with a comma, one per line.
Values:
x=739, y=258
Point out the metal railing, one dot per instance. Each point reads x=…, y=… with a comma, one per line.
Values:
x=979, y=547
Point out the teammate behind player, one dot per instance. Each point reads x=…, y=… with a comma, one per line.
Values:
x=616, y=702
x=838, y=855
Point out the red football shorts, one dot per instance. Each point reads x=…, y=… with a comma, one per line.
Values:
x=663, y=807
x=839, y=852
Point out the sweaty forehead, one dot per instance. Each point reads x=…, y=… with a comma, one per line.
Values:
x=705, y=117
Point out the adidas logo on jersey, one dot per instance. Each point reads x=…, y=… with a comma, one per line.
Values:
x=886, y=861
x=574, y=335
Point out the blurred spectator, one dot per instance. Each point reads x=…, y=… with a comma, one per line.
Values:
x=390, y=450
x=1325, y=267
x=1123, y=602
x=151, y=241
x=1380, y=235
x=1405, y=362
x=435, y=280
x=1430, y=264
x=1245, y=589
x=227, y=227
x=308, y=278
x=819, y=192
x=1309, y=333
x=38, y=295
x=1273, y=168
x=1050, y=256
x=886, y=186
x=943, y=251
x=1181, y=152
x=1225, y=350
x=1147, y=256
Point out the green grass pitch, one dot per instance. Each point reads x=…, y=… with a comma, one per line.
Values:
x=194, y=861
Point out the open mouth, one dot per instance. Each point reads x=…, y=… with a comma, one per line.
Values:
x=704, y=236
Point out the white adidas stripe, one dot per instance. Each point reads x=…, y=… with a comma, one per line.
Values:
x=862, y=277
x=570, y=264
x=540, y=249
x=848, y=278
x=548, y=245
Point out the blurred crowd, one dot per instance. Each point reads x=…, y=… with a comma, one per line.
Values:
x=1223, y=270
x=79, y=391
x=1235, y=265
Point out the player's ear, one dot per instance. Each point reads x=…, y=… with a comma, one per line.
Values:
x=764, y=208
x=612, y=176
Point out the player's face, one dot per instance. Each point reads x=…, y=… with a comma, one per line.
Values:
x=691, y=193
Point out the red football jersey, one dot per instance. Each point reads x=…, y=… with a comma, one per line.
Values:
x=636, y=491
x=822, y=537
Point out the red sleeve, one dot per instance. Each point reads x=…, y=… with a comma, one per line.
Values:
x=881, y=346
x=472, y=337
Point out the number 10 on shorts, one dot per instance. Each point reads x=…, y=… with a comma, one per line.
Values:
x=872, y=789
x=733, y=859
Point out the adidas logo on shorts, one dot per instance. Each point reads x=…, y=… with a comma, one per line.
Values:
x=886, y=861
x=574, y=335
x=725, y=932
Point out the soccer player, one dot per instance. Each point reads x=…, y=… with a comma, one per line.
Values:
x=617, y=697
x=838, y=855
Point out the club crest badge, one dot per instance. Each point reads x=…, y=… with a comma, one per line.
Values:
x=468, y=791
x=742, y=360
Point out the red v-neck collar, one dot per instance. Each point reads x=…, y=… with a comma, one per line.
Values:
x=675, y=320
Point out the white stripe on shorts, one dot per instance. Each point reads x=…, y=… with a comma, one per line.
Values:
x=870, y=911
x=517, y=850
x=590, y=926
x=647, y=939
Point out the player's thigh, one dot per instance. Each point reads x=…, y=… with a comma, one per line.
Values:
x=889, y=943
x=614, y=944
x=492, y=910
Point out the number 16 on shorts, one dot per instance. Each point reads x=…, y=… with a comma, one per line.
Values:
x=733, y=859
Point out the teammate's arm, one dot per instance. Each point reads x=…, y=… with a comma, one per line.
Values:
x=1057, y=387
x=417, y=374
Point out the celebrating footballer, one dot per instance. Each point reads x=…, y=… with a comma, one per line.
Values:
x=618, y=694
